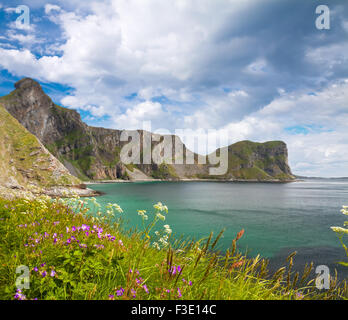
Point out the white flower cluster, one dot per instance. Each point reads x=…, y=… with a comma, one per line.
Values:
x=143, y=214
x=163, y=240
x=112, y=207
x=341, y=230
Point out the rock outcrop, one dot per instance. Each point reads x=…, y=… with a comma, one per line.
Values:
x=92, y=153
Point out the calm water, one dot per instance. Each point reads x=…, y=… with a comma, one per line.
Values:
x=277, y=218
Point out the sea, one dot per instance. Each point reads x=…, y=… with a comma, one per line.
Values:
x=277, y=218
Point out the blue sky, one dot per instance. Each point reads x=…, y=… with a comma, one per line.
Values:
x=254, y=69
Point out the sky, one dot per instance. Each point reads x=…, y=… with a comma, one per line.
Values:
x=255, y=70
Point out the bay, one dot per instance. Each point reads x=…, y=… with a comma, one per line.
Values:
x=278, y=218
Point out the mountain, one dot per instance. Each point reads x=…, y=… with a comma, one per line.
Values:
x=24, y=161
x=92, y=153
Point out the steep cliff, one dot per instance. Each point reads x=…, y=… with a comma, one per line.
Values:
x=94, y=153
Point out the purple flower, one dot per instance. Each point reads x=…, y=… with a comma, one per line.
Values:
x=145, y=288
x=53, y=273
x=179, y=293
x=85, y=227
x=190, y=283
x=111, y=297
x=36, y=269
x=73, y=228
x=43, y=274
x=172, y=270
x=68, y=241
x=134, y=293
x=19, y=295
x=120, y=292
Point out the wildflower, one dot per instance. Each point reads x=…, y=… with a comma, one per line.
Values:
x=19, y=295
x=160, y=216
x=36, y=269
x=299, y=295
x=120, y=292
x=43, y=274
x=82, y=245
x=344, y=210
x=172, y=270
x=111, y=297
x=141, y=212
x=53, y=273
x=120, y=243
x=145, y=288
x=133, y=293
x=118, y=208
x=160, y=207
x=340, y=230
x=156, y=245
x=179, y=293
x=85, y=227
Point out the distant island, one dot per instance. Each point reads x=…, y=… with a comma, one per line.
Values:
x=46, y=145
x=321, y=178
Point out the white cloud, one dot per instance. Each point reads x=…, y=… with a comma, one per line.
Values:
x=51, y=7
x=146, y=111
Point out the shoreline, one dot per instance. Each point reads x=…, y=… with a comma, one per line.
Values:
x=83, y=191
x=191, y=180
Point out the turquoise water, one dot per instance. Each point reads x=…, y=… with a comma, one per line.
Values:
x=277, y=218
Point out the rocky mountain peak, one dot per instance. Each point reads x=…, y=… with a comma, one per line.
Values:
x=27, y=83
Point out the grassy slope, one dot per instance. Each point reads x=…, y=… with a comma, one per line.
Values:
x=98, y=259
x=16, y=146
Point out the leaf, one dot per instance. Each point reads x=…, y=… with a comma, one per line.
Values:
x=343, y=263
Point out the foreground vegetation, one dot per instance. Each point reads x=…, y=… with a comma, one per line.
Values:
x=74, y=251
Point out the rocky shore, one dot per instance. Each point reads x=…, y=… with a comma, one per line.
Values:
x=54, y=192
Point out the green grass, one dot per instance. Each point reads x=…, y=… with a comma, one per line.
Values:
x=139, y=264
x=164, y=172
x=16, y=146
